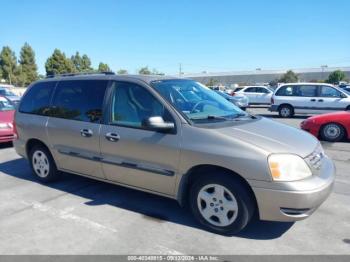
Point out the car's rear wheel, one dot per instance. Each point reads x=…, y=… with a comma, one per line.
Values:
x=286, y=111
x=221, y=203
x=42, y=164
x=332, y=132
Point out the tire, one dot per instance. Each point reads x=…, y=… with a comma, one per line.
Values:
x=332, y=132
x=42, y=164
x=229, y=212
x=286, y=111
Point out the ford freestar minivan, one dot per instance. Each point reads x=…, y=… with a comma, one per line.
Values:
x=145, y=132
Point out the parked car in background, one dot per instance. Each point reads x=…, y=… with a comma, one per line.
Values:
x=9, y=95
x=331, y=127
x=176, y=138
x=258, y=95
x=239, y=100
x=305, y=98
x=7, y=111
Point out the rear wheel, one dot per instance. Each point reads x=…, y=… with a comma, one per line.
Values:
x=332, y=132
x=42, y=164
x=221, y=203
x=286, y=111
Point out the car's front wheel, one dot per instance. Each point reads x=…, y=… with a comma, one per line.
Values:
x=332, y=132
x=221, y=203
x=42, y=164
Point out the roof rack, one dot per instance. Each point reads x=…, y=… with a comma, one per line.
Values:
x=82, y=73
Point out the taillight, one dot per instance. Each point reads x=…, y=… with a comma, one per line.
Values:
x=233, y=94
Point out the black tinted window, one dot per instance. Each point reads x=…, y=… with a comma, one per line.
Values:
x=79, y=100
x=307, y=91
x=285, y=91
x=261, y=90
x=37, y=99
x=250, y=90
x=327, y=91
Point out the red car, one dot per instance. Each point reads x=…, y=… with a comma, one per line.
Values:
x=331, y=127
x=7, y=111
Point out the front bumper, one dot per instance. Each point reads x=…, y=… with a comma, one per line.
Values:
x=297, y=200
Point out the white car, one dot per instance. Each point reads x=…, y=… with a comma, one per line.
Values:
x=308, y=98
x=258, y=95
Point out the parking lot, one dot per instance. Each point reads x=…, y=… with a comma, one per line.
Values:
x=77, y=215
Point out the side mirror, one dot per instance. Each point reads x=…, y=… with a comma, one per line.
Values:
x=342, y=95
x=157, y=123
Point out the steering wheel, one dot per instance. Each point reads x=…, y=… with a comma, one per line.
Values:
x=202, y=102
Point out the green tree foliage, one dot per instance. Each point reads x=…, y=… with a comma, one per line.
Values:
x=58, y=63
x=8, y=64
x=212, y=82
x=336, y=76
x=27, y=70
x=156, y=72
x=289, y=77
x=102, y=67
x=145, y=71
x=122, y=72
x=81, y=63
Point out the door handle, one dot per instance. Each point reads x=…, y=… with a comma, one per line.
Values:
x=113, y=137
x=320, y=100
x=313, y=100
x=86, y=132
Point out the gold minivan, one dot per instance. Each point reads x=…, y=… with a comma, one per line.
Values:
x=176, y=138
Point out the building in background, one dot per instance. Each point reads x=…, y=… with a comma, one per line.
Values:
x=260, y=76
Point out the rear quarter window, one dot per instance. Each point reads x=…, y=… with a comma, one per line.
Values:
x=37, y=99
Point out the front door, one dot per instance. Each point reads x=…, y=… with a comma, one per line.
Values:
x=74, y=125
x=250, y=92
x=330, y=99
x=131, y=154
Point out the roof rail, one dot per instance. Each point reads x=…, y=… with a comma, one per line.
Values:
x=82, y=73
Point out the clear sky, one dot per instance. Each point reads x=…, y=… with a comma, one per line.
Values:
x=203, y=35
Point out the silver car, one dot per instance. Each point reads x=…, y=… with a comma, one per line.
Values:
x=175, y=138
x=239, y=100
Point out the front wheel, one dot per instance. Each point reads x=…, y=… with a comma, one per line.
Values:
x=332, y=132
x=221, y=203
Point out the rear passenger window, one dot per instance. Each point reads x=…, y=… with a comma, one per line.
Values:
x=37, y=99
x=79, y=100
x=307, y=91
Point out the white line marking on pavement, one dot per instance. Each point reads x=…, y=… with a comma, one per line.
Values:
x=66, y=215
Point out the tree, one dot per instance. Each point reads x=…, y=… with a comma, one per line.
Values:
x=145, y=71
x=212, y=82
x=273, y=83
x=27, y=70
x=8, y=64
x=289, y=77
x=81, y=63
x=336, y=76
x=58, y=63
x=156, y=72
x=122, y=72
x=102, y=67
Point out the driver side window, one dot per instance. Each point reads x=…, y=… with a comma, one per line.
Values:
x=132, y=104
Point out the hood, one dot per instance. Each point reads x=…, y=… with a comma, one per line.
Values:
x=272, y=137
x=7, y=116
x=339, y=114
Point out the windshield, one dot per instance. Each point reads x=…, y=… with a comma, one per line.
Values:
x=6, y=105
x=196, y=101
x=5, y=92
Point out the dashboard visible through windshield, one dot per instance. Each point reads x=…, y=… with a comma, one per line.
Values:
x=197, y=102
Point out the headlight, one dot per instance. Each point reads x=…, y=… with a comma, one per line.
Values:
x=288, y=167
x=5, y=125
